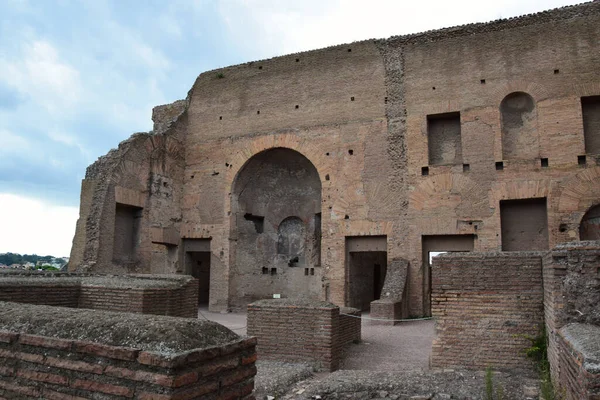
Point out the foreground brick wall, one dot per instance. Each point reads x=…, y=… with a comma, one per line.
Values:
x=482, y=303
x=33, y=366
x=571, y=299
x=579, y=375
x=50, y=368
x=161, y=295
x=310, y=332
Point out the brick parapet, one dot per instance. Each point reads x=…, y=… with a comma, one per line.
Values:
x=484, y=304
x=167, y=295
x=51, y=368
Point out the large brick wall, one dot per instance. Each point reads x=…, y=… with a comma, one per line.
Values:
x=302, y=331
x=157, y=294
x=34, y=366
x=483, y=303
x=361, y=113
x=572, y=310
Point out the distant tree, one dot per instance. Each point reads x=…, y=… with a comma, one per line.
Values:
x=48, y=268
x=14, y=258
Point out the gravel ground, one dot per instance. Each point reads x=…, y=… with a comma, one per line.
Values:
x=392, y=362
x=276, y=378
x=234, y=321
x=437, y=385
x=404, y=347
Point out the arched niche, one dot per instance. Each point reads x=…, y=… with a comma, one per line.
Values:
x=291, y=238
x=275, y=225
x=520, y=139
x=589, y=229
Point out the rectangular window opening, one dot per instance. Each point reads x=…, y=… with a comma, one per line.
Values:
x=524, y=224
x=444, y=140
x=590, y=110
x=127, y=231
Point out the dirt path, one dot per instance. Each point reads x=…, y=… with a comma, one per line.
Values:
x=404, y=347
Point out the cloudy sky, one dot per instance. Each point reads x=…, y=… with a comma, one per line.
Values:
x=79, y=76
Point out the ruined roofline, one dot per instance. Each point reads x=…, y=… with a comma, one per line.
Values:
x=434, y=35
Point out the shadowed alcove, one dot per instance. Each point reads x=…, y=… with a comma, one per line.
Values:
x=275, y=228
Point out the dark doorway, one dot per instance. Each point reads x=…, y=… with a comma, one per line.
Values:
x=366, y=276
x=433, y=245
x=378, y=278
x=196, y=253
x=366, y=268
x=199, y=267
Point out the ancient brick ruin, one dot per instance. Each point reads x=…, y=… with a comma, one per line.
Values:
x=309, y=175
x=309, y=332
x=62, y=353
x=337, y=174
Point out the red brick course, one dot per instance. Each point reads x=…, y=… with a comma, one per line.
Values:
x=576, y=382
x=483, y=304
x=315, y=334
x=80, y=291
x=43, y=367
x=569, y=273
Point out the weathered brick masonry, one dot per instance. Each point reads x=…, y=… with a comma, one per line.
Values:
x=302, y=331
x=483, y=304
x=67, y=368
x=465, y=131
x=162, y=295
x=578, y=361
x=572, y=316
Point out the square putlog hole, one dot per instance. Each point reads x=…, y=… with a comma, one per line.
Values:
x=499, y=165
x=581, y=161
x=425, y=171
x=544, y=162
x=466, y=167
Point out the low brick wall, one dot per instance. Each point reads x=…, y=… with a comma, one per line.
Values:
x=579, y=356
x=386, y=309
x=149, y=294
x=48, y=367
x=483, y=304
x=302, y=331
x=349, y=329
x=572, y=303
x=62, y=294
